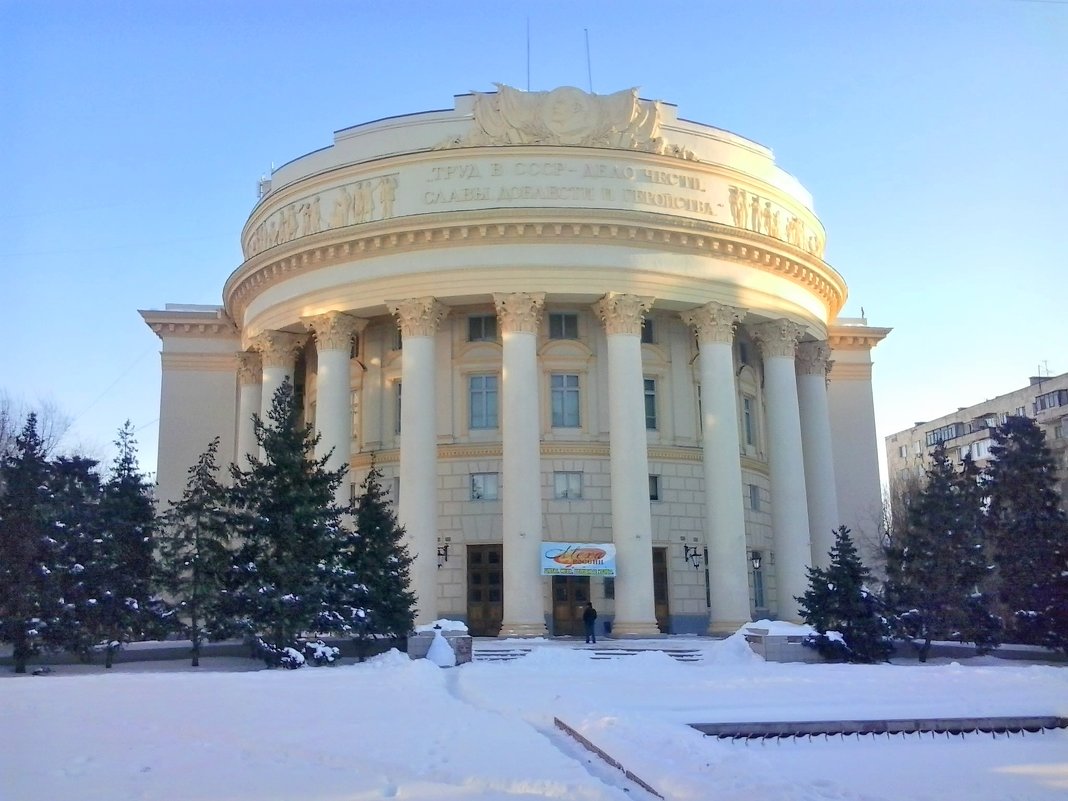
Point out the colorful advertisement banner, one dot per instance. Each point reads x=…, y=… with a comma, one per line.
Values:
x=578, y=559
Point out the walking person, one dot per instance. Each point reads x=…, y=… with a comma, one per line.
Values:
x=589, y=619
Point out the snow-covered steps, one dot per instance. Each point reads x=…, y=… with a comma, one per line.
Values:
x=620, y=651
x=497, y=653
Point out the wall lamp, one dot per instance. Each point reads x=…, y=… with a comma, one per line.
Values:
x=692, y=554
x=443, y=554
x=755, y=557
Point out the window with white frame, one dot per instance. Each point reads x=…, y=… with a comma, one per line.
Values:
x=654, y=488
x=903, y=451
x=563, y=325
x=482, y=396
x=485, y=486
x=397, y=407
x=754, y=497
x=482, y=328
x=749, y=420
x=567, y=485
x=650, y=404
x=564, y=395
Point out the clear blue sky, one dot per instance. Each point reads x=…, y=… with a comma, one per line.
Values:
x=932, y=136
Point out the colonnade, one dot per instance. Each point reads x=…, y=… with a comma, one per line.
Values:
x=803, y=503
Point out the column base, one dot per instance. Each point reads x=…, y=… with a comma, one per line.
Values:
x=623, y=628
x=725, y=628
x=523, y=630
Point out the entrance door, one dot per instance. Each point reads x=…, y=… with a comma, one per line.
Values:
x=660, y=590
x=570, y=594
x=485, y=590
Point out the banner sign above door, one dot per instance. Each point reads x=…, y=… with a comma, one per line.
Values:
x=578, y=559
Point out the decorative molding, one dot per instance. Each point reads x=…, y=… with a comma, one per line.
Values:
x=249, y=368
x=714, y=322
x=334, y=330
x=622, y=313
x=566, y=116
x=856, y=337
x=278, y=348
x=813, y=358
x=572, y=227
x=777, y=338
x=549, y=450
x=519, y=312
x=418, y=317
x=199, y=362
x=850, y=371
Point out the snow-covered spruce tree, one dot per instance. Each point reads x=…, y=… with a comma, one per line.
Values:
x=193, y=551
x=382, y=563
x=936, y=564
x=844, y=612
x=288, y=576
x=29, y=595
x=1028, y=532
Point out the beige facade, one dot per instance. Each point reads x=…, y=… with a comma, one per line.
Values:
x=968, y=430
x=552, y=317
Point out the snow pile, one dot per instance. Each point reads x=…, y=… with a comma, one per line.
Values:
x=440, y=652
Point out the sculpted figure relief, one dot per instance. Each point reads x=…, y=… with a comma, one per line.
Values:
x=747, y=212
x=566, y=116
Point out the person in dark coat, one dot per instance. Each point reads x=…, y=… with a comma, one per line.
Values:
x=589, y=618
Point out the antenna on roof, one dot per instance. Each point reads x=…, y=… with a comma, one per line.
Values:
x=589, y=70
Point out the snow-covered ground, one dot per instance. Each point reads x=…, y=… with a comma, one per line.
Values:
x=396, y=728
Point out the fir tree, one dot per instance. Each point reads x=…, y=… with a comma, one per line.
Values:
x=382, y=563
x=839, y=605
x=29, y=599
x=936, y=563
x=193, y=551
x=288, y=576
x=1029, y=534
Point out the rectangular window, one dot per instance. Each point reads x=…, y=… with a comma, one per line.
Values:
x=483, y=399
x=481, y=328
x=754, y=497
x=654, y=488
x=484, y=487
x=610, y=588
x=563, y=325
x=743, y=353
x=567, y=485
x=648, y=332
x=946, y=432
x=903, y=451
x=650, y=404
x=397, y=407
x=748, y=421
x=564, y=391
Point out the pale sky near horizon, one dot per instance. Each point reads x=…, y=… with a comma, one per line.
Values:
x=132, y=134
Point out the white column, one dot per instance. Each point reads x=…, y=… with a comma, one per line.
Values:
x=418, y=319
x=519, y=315
x=278, y=350
x=786, y=464
x=728, y=562
x=333, y=332
x=632, y=523
x=812, y=367
x=250, y=399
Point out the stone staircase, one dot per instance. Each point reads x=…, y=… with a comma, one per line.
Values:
x=490, y=651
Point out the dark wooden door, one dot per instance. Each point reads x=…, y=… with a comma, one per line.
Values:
x=485, y=590
x=660, y=590
x=570, y=594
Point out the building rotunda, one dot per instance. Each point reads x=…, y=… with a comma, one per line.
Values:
x=594, y=349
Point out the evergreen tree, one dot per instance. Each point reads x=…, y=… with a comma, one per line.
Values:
x=936, y=563
x=193, y=551
x=1029, y=534
x=289, y=576
x=382, y=563
x=29, y=595
x=844, y=612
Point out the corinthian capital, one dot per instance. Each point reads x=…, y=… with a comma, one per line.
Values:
x=418, y=317
x=622, y=314
x=519, y=312
x=714, y=322
x=334, y=330
x=777, y=338
x=813, y=358
x=278, y=348
x=249, y=368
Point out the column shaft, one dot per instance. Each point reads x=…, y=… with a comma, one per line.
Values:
x=816, y=444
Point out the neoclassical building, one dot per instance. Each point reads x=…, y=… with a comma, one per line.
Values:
x=594, y=348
